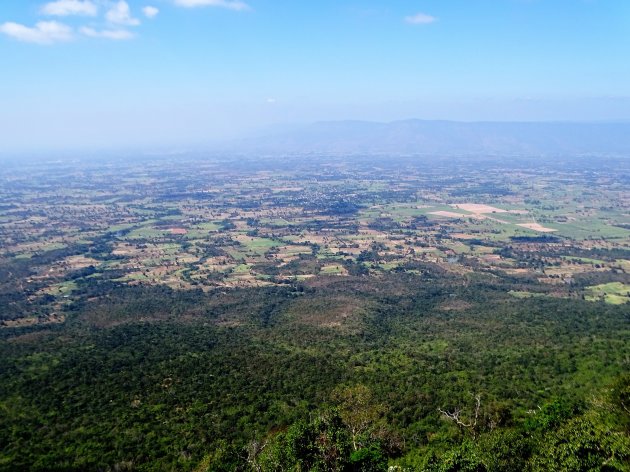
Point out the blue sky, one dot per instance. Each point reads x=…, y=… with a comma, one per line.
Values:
x=110, y=73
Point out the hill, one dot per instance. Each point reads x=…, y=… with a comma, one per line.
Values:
x=445, y=137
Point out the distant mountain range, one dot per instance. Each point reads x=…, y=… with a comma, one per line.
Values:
x=445, y=137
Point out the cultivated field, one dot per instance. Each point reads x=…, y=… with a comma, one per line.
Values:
x=215, y=224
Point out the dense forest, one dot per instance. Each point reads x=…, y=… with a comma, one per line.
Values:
x=427, y=371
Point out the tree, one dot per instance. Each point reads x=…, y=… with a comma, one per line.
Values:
x=583, y=443
x=358, y=411
x=320, y=444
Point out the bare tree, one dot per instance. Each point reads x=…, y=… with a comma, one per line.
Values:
x=457, y=418
x=254, y=448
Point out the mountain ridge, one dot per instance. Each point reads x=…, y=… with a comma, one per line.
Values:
x=416, y=136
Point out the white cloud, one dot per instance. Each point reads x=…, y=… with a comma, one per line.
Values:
x=150, y=12
x=420, y=19
x=44, y=32
x=237, y=5
x=70, y=7
x=120, y=14
x=271, y=100
x=115, y=34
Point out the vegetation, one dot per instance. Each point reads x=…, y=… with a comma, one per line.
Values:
x=328, y=317
x=159, y=379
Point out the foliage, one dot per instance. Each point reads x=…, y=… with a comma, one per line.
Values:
x=339, y=374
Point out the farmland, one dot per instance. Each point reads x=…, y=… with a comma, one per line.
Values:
x=221, y=224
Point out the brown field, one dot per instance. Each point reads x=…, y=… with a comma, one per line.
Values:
x=463, y=236
x=124, y=249
x=477, y=208
x=491, y=257
x=79, y=262
x=447, y=214
x=536, y=227
x=455, y=305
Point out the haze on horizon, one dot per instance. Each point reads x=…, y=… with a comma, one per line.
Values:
x=150, y=73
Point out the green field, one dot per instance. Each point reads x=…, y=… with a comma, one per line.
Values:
x=615, y=293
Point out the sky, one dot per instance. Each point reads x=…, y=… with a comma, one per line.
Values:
x=151, y=73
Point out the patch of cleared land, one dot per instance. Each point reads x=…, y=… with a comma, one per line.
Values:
x=447, y=214
x=536, y=227
x=478, y=208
